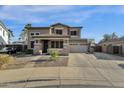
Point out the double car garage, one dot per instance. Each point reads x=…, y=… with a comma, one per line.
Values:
x=78, y=48
x=78, y=45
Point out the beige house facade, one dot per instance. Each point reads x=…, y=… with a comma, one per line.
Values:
x=57, y=37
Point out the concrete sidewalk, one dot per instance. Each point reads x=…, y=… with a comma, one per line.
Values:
x=51, y=76
x=83, y=70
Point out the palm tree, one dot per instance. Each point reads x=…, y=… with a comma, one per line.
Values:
x=25, y=31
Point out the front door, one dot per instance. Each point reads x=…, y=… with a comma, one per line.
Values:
x=45, y=46
x=116, y=49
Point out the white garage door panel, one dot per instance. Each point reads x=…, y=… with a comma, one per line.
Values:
x=78, y=48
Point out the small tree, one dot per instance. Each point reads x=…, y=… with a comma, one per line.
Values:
x=54, y=55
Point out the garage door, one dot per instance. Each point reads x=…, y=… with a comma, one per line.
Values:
x=78, y=48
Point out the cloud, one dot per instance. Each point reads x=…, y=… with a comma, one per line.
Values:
x=29, y=13
x=44, y=8
x=38, y=14
x=20, y=15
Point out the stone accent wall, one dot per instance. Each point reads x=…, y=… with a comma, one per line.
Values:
x=37, y=48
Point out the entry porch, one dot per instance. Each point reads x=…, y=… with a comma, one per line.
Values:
x=46, y=46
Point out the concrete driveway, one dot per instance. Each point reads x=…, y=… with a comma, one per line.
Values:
x=83, y=70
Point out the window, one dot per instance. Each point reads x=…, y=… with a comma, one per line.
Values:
x=36, y=33
x=3, y=32
x=9, y=35
x=73, y=32
x=57, y=44
x=52, y=44
x=32, y=34
x=32, y=44
x=36, y=41
x=59, y=32
x=61, y=44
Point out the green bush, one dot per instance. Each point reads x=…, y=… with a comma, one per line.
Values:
x=29, y=51
x=5, y=59
x=54, y=55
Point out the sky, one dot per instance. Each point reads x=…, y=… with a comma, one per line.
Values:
x=96, y=20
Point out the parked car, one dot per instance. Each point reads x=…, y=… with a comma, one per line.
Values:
x=8, y=50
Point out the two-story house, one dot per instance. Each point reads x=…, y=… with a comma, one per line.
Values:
x=5, y=35
x=58, y=37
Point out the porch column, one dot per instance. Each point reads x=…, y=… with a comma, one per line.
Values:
x=49, y=44
x=123, y=49
x=66, y=46
x=37, y=47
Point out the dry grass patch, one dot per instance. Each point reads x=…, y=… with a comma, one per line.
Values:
x=5, y=59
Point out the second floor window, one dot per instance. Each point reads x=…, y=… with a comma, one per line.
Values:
x=36, y=33
x=32, y=34
x=73, y=32
x=59, y=32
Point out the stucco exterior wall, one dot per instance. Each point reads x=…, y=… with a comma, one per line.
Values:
x=41, y=31
x=104, y=48
x=78, y=32
x=64, y=29
x=5, y=37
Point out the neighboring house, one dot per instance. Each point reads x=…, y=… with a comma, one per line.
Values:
x=113, y=46
x=5, y=35
x=58, y=37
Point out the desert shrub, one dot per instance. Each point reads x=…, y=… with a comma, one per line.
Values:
x=29, y=51
x=5, y=59
x=54, y=55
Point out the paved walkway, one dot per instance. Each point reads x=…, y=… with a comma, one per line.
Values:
x=83, y=70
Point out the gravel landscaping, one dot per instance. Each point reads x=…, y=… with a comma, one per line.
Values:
x=62, y=61
x=37, y=61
